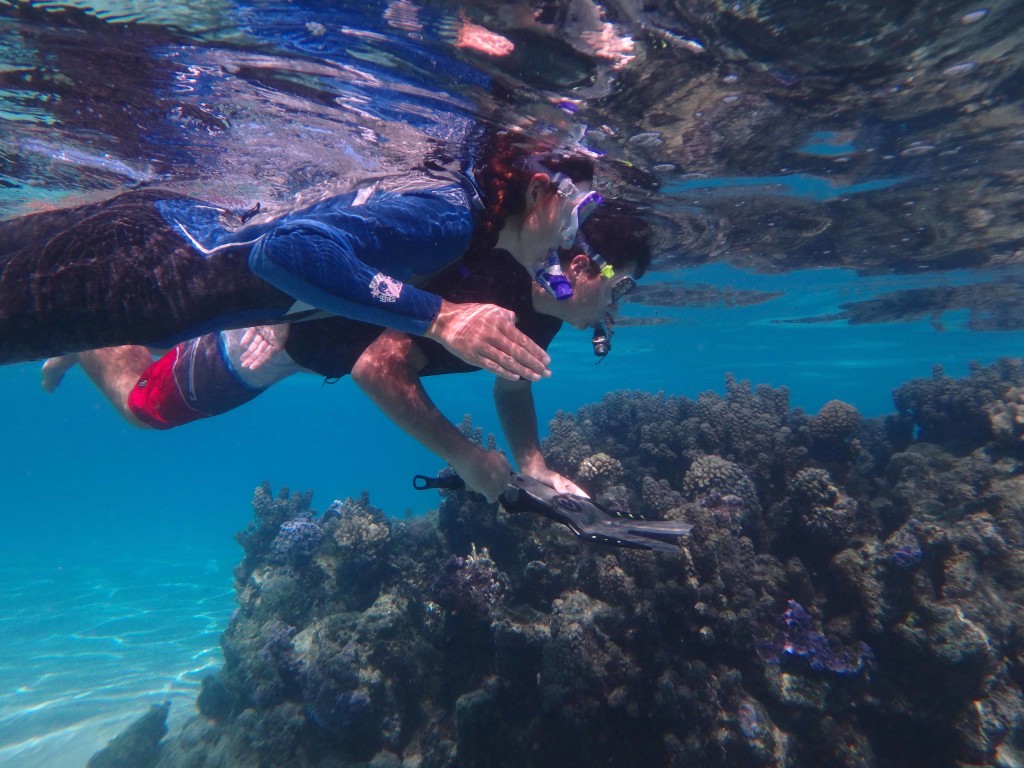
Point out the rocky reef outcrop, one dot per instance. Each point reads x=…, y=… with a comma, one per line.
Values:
x=852, y=594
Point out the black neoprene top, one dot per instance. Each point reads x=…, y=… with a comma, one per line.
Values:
x=331, y=346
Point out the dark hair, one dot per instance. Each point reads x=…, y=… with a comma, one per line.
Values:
x=504, y=165
x=618, y=234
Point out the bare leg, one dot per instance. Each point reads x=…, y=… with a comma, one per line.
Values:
x=115, y=371
x=54, y=370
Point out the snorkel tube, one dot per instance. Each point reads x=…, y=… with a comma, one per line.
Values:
x=602, y=338
x=549, y=276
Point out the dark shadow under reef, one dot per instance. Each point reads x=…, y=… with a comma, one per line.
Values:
x=851, y=595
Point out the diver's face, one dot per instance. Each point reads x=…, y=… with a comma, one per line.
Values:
x=594, y=295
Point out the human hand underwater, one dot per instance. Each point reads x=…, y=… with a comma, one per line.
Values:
x=485, y=335
x=555, y=481
x=484, y=472
x=262, y=342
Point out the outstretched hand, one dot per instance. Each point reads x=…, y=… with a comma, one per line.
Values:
x=262, y=342
x=485, y=335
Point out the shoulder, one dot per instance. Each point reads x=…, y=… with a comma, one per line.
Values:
x=497, y=278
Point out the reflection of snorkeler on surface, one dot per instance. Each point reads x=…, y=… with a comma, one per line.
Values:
x=149, y=267
x=207, y=376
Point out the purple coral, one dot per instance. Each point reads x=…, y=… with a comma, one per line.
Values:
x=278, y=649
x=800, y=638
x=470, y=586
x=903, y=546
x=296, y=541
x=337, y=702
x=278, y=663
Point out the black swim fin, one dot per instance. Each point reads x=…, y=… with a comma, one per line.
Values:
x=578, y=513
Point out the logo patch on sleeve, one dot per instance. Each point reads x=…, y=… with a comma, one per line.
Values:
x=385, y=289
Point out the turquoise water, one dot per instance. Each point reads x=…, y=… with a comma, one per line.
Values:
x=819, y=182
x=94, y=631
x=117, y=544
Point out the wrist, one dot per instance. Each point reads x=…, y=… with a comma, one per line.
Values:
x=465, y=456
x=435, y=330
x=533, y=465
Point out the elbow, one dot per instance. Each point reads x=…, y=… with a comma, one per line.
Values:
x=393, y=359
x=365, y=371
x=374, y=373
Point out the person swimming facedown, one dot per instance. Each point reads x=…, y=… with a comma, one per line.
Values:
x=206, y=376
x=150, y=267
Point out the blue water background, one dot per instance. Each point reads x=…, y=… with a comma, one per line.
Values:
x=116, y=545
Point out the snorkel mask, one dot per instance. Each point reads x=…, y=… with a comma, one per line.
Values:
x=580, y=206
x=620, y=287
x=577, y=206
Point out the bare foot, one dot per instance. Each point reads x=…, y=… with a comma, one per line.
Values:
x=54, y=370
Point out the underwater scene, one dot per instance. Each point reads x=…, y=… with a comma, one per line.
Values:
x=801, y=435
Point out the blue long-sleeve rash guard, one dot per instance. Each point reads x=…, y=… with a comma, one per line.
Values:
x=357, y=260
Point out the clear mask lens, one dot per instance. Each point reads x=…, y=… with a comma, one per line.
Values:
x=621, y=287
x=582, y=206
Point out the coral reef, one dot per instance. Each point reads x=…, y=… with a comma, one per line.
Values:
x=138, y=746
x=600, y=471
x=957, y=411
x=1007, y=414
x=852, y=594
x=470, y=586
x=834, y=425
x=800, y=638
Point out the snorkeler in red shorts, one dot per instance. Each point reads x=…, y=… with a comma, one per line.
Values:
x=206, y=376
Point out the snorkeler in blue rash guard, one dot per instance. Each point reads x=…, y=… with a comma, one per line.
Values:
x=204, y=377
x=152, y=268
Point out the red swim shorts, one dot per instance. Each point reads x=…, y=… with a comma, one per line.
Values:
x=157, y=400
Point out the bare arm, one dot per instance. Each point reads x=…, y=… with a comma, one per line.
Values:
x=518, y=416
x=388, y=372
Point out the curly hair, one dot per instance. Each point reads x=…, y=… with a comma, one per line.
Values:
x=503, y=168
x=618, y=232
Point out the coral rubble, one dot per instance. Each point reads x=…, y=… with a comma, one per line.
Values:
x=851, y=595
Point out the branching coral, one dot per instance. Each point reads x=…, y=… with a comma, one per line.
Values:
x=724, y=488
x=296, y=541
x=269, y=514
x=957, y=411
x=835, y=422
x=822, y=511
